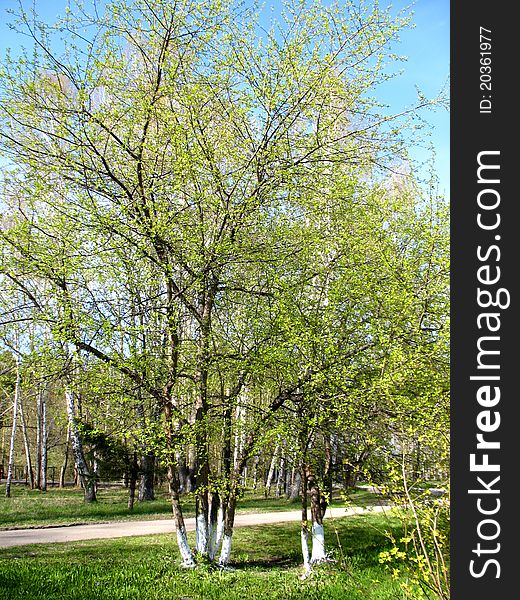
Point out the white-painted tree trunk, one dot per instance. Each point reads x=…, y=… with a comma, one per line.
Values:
x=216, y=528
x=318, y=543
x=225, y=552
x=182, y=540
x=305, y=550
x=201, y=534
x=219, y=533
x=184, y=548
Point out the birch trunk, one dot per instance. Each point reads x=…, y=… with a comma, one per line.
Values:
x=296, y=486
x=39, y=439
x=65, y=460
x=10, y=466
x=270, y=474
x=44, y=443
x=255, y=471
x=30, y=471
x=84, y=475
x=281, y=476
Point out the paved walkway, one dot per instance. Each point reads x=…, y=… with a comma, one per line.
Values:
x=73, y=533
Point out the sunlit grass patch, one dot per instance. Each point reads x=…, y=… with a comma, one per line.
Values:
x=266, y=563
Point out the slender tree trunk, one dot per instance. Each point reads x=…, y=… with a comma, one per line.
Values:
x=304, y=535
x=10, y=465
x=84, y=475
x=255, y=471
x=173, y=484
x=201, y=436
x=180, y=528
x=225, y=477
x=327, y=476
x=201, y=483
x=281, y=476
x=44, y=443
x=272, y=467
x=30, y=472
x=289, y=473
x=39, y=439
x=65, y=460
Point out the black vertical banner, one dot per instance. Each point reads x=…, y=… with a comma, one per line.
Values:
x=485, y=259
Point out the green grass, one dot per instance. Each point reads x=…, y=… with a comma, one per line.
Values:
x=29, y=508
x=32, y=508
x=266, y=560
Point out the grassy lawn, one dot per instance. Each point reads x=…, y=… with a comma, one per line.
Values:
x=29, y=508
x=267, y=565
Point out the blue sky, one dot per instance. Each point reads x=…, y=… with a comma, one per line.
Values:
x=427, y=67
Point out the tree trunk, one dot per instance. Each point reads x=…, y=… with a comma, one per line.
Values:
x=10, y=466
x=146, y=485
x=304, y=535
x=318, y=506
x=281, y=476
x=173, y=484
x=229, y=521
x=270, y=474
x=327, y=476
x=296, y=486
x=182, y=538
x=84, y=475
x=39, y=439
x=65, y=460
x=289, y=475
x=133, y=473
x=30, y=472
x=43, y=481
x=214, y=523
x=184, y=474
x=255, y=471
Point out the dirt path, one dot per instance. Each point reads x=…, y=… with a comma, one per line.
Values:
x=73, y=533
